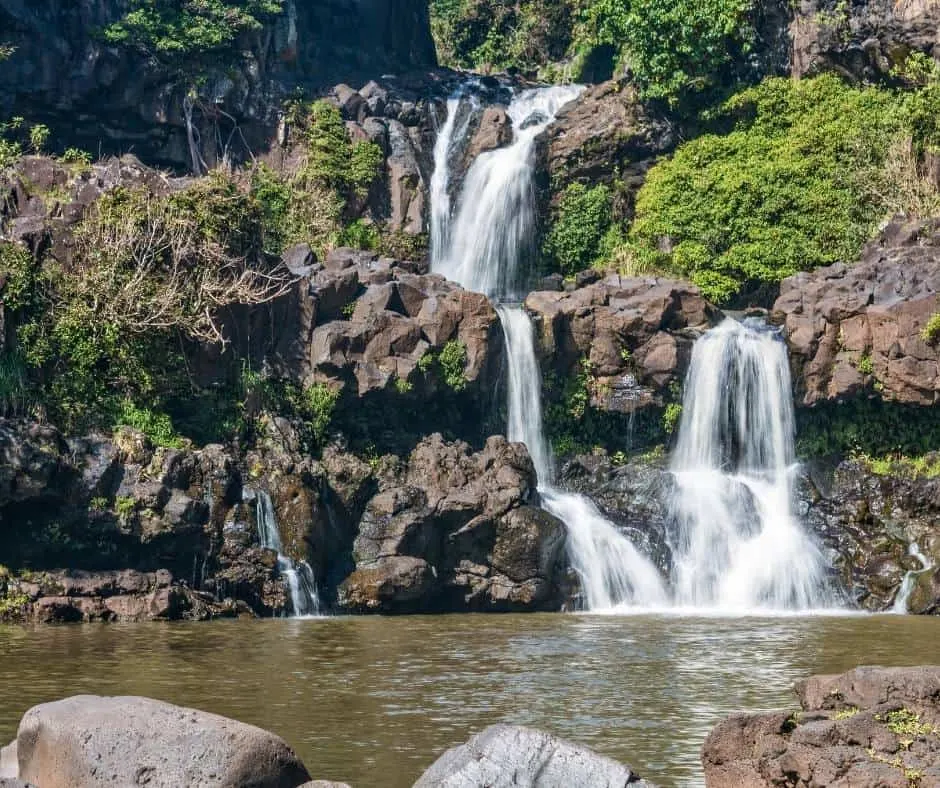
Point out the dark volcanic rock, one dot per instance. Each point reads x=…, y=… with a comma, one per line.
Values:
x=95, y=96
x=456, y=530
x=88, y=741
x=868, y=727
x=858, y=329
x=637, y=335
x=511, y=755
x=864, y=40
x=605, y=133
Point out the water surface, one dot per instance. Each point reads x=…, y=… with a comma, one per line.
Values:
x=373, y=701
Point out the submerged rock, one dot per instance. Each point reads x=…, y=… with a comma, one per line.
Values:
x=870, y=726
x=88, y=741
x=504, y=756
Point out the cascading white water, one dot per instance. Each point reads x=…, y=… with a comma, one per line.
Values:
x=736, y=542
x=301, y=584
x=494, y=228
x=910, y=578
x=486, y=249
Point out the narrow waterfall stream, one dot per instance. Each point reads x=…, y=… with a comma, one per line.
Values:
x=910, y=578
x=301, y=584
x=488, y=246
x=736, y=544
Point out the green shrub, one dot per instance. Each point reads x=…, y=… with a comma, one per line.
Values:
x=865, y=365
x=158, y=427
x=672, y=415
x=577, y=234
x=177, y=29
x=453, y=362
x=931, y=331
x=316, y=405
x=793, y=186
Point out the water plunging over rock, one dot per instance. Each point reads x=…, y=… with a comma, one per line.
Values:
x=736, y=542
x=491, y=240
x=299, y=576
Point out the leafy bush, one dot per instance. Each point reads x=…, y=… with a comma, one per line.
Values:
x=793, y=186
x=453, y=361
x=931, y=332
x=576, y=235
x=175, y=29
x=156, y=426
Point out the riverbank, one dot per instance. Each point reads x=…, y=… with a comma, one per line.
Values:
x=373, y=701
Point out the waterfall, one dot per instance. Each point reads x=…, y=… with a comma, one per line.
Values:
x=907, y=585
x=487, y=249
x=491, y=238
x=736, y=542
x=449, y=136
x=301, y=584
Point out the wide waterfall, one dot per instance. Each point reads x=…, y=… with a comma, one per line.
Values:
x=486, y=247
x=736, y=543
x=301, y=584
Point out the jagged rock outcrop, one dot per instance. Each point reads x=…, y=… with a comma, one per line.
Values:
x=605, y=133
x=868, y=522
x=863, y=40
x=97, y=96
x=859, y=329
x=636, y=334
x=452, y=529
x=512, y=755
x=87, y=741
x=869, y=726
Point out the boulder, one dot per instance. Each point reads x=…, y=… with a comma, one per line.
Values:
x=858, y=330
x=869, y=726
x=456, y=530
x=636, y=333
x=88, y=741
x=493, y=131
x=504, y=756
x=9, y=765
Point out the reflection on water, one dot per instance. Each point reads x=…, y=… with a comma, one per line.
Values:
x=373, y=701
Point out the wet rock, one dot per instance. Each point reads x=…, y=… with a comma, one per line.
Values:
x=869, y=726
x=859, y=329
x=511, y=755
x=456, y=530
x=637, y=335
x=494, y=131
x=9, y=765
x=88, y=740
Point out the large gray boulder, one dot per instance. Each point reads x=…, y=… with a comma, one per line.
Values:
x=88, y=741
x=511, y=755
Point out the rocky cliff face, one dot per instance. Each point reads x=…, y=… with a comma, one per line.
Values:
x=102, y=98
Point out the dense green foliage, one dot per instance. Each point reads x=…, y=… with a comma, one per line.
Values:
x=796, y=184
x=674, y=50
x=177, y=30
x=578, y=233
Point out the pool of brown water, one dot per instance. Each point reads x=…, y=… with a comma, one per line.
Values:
x=373, y=701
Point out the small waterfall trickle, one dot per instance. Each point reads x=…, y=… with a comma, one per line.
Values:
x=910, y=578
x=736, y=543
x=301, y=584
x=486, y=248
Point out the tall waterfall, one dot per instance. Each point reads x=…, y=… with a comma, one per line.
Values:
x=736, y=543
x=489, y=243
x=301, y=583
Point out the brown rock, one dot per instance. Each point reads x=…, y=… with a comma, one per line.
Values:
x=494, y=131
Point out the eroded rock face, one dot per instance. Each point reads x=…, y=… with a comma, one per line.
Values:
x=93, y=94
x=511, y=755
x=457, y=530
x=605, y=126
x=868, y=522
x=869, y=726
x=859, y=329
x=637, y=335
x=87, y=741
x=863, y=40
